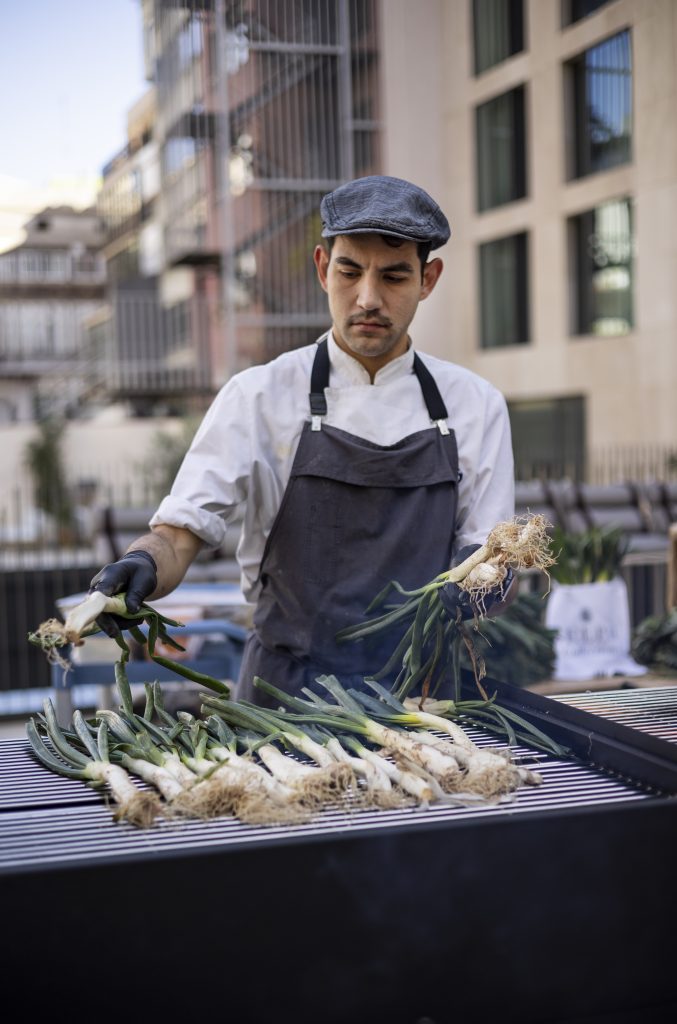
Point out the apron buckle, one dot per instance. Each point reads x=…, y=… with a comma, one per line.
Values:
x=316, y=422
x=443, y=428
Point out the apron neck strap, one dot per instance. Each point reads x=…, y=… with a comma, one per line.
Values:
x=319, y=380
x=437, y=410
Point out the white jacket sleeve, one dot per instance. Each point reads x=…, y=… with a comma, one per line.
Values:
x=214, y=476
x=487, y=489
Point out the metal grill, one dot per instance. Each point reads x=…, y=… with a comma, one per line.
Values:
x=652, y=710
x=54, y=821
x=446, y=898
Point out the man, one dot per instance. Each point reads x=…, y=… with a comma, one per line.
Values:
x=358, y=460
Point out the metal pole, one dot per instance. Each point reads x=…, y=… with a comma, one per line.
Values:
x=346, y=155
x=221, y=157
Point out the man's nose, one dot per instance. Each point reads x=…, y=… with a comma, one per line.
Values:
x=369, y=294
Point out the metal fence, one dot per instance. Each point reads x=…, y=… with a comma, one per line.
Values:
x=640, y=462
x=604, y=464
x=47, y=555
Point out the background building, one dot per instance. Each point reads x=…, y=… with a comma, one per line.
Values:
x=145, y=351
x=546, y=129
x=261, y=109
x=48, y=286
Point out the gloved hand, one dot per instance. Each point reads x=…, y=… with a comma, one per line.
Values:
x=454, y=599
x=136, y=574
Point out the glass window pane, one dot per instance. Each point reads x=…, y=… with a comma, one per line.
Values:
x=603, y=241
x=498, y=31
x=501, y=176
x=548, y=438
x=602, y=105
x=574, y=10
x=503, y=292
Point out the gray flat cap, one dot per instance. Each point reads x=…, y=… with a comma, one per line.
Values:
x=387, y=206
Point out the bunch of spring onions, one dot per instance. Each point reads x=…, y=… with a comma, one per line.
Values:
x=412, y=736
x=52, y=635
x=271, y=767
x=428, y=651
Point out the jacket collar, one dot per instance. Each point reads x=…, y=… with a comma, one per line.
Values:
x=347, y=371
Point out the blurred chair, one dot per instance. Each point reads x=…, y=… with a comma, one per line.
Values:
x=627, y=507
x=566, y=501
x=656, y=499
x=670, y=500
x=671, y=596
x=532, y=496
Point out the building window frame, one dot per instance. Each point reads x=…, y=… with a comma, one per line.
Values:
x=505, y=18
x=581, y=77
x=549, y=436
x=500, y=125
x=511, y=326
x=592, y=257
x=572, y=10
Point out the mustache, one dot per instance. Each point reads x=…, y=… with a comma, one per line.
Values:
x=366, y=319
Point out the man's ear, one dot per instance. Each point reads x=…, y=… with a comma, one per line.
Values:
x=321, y=260
x=431, y=274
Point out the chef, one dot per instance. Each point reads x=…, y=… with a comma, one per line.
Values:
x=358, y=459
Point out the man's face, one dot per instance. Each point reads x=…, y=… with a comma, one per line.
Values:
x=373, y=290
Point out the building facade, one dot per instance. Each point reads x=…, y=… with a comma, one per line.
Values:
x=146, y=351
x=262, y=107
x=49, y=285
x=546, y=130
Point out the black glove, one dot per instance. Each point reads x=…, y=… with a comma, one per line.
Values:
x=135, y=573
x=454, y=599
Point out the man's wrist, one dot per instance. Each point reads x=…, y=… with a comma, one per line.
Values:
x=140, y=553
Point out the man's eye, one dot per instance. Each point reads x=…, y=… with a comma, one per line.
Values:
x=394, y=278
x=348, y=273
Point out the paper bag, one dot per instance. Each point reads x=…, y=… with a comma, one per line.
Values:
x=593, y=624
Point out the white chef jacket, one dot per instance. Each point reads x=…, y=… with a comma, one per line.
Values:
x=244, y=449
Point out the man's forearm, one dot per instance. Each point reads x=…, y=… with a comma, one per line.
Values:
x=173, y=550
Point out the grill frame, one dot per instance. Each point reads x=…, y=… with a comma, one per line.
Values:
x=559, y=914
x=601, y=740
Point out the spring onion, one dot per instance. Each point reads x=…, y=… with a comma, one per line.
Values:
x=94, y=766
x=81, y=622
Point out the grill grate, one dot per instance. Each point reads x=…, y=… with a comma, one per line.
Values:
x=652, y=710
x=24, y=783
x=50, y=821
x=584, y=862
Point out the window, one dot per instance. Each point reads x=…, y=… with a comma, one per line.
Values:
x=548, y=438
x=574, y=10
x=601, y=248
x=498, y=28
x=503, y=292
x=599, y=92
x=501, y=176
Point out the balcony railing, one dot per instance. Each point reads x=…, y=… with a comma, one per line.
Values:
x=147, y=349
x=39, y=267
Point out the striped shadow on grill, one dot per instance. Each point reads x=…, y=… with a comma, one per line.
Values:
x=51, y=821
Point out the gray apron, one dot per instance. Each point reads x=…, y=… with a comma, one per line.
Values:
x=354, y=516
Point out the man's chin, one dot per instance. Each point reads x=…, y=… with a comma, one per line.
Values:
x=368, y=343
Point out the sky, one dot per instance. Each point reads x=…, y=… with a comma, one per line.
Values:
x=69, y=72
